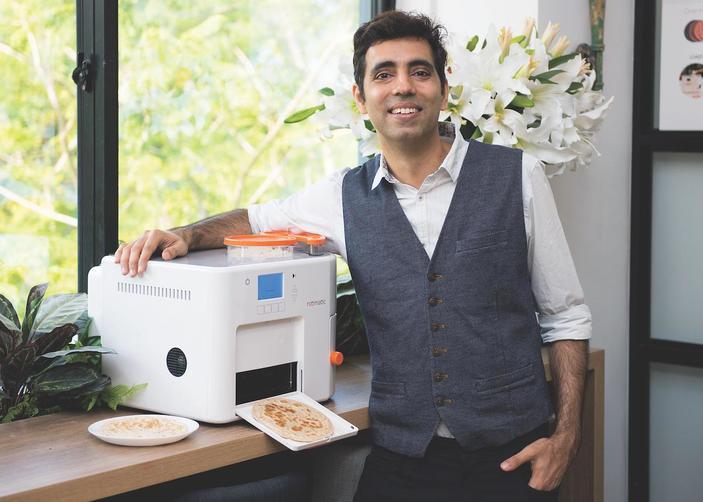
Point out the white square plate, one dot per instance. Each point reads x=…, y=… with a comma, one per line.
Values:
x=342, y=428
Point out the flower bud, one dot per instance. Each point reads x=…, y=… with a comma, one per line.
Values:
x=529, y=26
x=504, y=37
x=560, y=47
x=549, y=34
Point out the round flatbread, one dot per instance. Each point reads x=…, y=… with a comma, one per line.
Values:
x=143, y=427
x=292, y=419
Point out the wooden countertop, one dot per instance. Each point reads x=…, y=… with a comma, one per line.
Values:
x=54, y=457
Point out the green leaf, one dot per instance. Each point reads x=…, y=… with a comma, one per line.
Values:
x=345, y=286
x=546, y=76
x=574, y=87
x=70, y=378
x=471, y=45
x=561, y=59
x=477, y=133
x=91, y=402
x=8, y=314
x=301, y=115
x=9, y=341
x=24, y=409
x=369, y=126
x=34, y=299
x=59, y=310
x=517, y=40
x=81, y=350
x=327, y=91
x=56, y=339
x=112, y=396
x=17, y=369
x=522, y=101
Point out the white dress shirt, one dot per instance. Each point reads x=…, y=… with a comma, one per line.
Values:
x=562, y=313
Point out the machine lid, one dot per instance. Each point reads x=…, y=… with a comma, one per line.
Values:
x=340, y=428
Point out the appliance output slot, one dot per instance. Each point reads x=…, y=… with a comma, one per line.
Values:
x=266, y=382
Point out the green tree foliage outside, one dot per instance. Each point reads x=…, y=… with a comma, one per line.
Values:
x=38, y=238
x=203, y=91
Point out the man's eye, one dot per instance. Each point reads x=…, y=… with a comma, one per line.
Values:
x=382, y=76
x=422, y=73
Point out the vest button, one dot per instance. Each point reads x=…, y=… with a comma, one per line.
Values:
x=443, y=401
x=433, y=300
x=436, y=326
x=439, y=377
x=438, y=351
x=433, y=277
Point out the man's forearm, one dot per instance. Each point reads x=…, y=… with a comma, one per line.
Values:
x=210, y=232
x=568, y=361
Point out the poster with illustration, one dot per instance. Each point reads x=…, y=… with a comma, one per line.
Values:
x=681, y=69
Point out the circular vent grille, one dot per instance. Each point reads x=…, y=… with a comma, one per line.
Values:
x=176, y=361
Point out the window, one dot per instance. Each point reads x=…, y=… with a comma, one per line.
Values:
x=203, y=91
x=38, y=176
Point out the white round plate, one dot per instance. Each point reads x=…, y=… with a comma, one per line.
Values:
x=129, y=439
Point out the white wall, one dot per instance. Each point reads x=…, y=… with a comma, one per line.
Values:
x=594, y=204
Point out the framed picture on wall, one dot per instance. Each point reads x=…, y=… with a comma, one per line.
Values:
x=681, y=67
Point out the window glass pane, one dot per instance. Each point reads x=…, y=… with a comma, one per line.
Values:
x=38, y=184
x=676, y=415
x=677, y=247
x=204, y=88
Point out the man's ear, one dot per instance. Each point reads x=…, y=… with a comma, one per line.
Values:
x=359, y=98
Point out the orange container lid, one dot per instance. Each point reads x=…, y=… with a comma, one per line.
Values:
x=259, y=240
x=304, y=237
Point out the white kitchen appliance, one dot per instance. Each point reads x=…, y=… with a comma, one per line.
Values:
x=216, y=329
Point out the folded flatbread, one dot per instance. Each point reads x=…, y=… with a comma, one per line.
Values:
x=292, y=419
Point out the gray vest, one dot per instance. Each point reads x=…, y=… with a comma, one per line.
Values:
x=455, y=336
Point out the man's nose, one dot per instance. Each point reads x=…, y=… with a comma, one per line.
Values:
x=403, y=85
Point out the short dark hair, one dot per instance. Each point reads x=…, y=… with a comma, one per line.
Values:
x=692, y=69
x=394, y=24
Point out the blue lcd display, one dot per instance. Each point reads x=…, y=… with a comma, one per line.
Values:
x=270, y=286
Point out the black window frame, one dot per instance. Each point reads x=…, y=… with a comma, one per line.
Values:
x=97, y=39
x=644, y=350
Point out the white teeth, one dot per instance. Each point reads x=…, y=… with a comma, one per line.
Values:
x=398, y=111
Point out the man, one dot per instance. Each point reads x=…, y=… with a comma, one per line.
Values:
x=453, y=247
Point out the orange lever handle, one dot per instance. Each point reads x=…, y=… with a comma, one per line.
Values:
x=336, y=358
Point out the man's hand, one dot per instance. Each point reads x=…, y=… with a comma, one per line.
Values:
x=550, y=457
x=133, y=257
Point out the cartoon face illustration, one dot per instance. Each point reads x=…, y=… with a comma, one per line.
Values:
x=692, y=85
x=691, y=80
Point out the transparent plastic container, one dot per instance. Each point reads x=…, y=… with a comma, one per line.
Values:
x=259, y=247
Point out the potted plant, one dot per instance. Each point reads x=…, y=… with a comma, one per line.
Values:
x=49, y=362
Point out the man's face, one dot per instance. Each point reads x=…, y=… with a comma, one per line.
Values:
x=402, y=91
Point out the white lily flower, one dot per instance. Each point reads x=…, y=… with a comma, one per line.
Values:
x=503, y=122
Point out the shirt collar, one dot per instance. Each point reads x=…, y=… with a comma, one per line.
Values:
x=451, y=163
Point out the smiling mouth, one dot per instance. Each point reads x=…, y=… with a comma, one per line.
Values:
x=404, y=110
